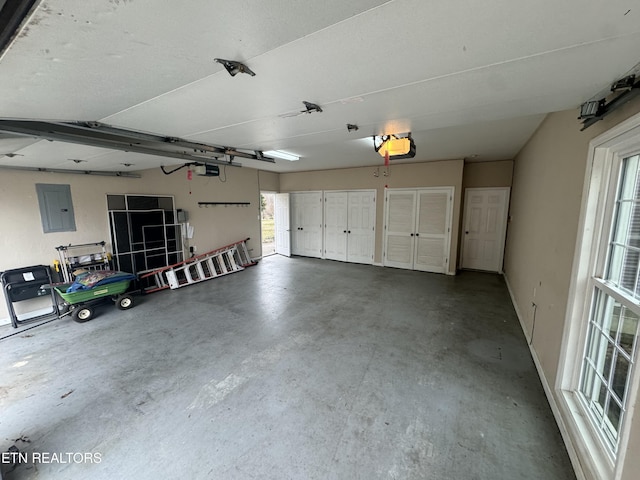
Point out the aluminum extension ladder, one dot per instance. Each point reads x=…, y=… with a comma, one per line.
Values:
x=221, y=261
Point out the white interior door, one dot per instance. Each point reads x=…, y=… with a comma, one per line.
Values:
x=361, y=222
x=335, y=225
x=400, y=216
x=433, y=230
x=485, y=225
x=282, y=224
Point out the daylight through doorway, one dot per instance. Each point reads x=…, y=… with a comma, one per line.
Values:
x=267, y=217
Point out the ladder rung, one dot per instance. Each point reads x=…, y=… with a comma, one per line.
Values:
x=222, y=261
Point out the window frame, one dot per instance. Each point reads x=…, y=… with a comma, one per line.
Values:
x=605, y=158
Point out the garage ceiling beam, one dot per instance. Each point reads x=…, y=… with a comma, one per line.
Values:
x=75, y=172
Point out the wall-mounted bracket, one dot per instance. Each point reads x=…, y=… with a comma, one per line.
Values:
x=226, y=204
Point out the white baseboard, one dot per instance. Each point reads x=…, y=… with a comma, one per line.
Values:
x=571, y=450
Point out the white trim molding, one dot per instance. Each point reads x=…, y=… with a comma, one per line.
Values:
x=564, y=431
x=592, y=457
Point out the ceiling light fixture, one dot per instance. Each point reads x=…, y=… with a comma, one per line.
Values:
x=397, y=147
x=282, y=155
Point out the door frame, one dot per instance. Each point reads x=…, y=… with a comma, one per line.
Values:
x=503, y=235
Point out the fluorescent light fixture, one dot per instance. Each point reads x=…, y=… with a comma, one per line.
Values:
x=283, y=155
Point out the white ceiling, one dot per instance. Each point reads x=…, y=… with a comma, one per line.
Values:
x=467, y=78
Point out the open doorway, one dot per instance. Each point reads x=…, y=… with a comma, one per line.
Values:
x=267, y=218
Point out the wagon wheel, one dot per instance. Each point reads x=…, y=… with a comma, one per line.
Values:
x=82, y=314
x=124, y=302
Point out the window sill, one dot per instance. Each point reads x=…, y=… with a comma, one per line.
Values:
x=593, y=457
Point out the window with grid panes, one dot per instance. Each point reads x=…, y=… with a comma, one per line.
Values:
x=610, y=351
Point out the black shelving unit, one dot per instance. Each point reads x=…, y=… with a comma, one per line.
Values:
x=87, y=256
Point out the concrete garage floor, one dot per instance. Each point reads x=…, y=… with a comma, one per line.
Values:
x=293, y=369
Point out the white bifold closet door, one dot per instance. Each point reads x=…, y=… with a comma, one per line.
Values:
x=349, y=229
x=418, y=228
x=400, y=218
x=306, y=223
x=335, y=226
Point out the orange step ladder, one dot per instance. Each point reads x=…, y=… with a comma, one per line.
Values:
x=216, y=263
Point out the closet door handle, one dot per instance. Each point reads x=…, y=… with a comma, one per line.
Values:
x=417, y=234
x=412, y=234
